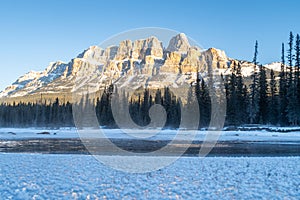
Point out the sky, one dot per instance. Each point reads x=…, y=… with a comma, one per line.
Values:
x=34, y=33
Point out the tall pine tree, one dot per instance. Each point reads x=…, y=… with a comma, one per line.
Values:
x=254, y=91
x=273, y=102
x=291, y=93
x=297, y=75
x=282, y=91
x=263, y=98
x=241, y=92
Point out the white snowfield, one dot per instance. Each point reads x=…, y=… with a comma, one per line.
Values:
x=37, y=176
x=65, y=133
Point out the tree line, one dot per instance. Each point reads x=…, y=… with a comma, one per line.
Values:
x=36, y=114
x=274, y=100
x=60, y=115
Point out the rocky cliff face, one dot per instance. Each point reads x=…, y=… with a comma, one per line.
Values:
x=179, y=43
x=134, y=64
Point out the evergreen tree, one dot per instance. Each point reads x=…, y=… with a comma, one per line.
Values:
x=199, y=98
x=167, y=103
x=232, y=117
x=263, y=99
x=297, y=75
x=273, y=103
x=282, y=91
x=297, y=59
x=158, y=98
x=189, y=110
x=134, y=110
x=204, y=105
x=254, y=91
x=241, y=92
x=290, y=51
x=55, y=112
x=291, y=92
x=145, y=108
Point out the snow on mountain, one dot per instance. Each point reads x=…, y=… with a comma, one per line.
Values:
x=20, y=83
x=28, y=76
x=276, y=66
x=131, y=64
x=179, y=43
x=34, y=80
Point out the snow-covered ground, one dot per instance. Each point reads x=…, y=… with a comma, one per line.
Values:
x=37, y=176
x=66, y=176
x=27, y=133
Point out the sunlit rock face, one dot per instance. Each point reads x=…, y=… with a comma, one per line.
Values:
x=130, y=64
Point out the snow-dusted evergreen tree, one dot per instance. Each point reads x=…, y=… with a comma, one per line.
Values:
x=253, y=108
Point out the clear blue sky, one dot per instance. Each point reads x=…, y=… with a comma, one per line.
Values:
x=33, y=33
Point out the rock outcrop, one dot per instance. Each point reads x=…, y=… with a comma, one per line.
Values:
x=179, y=43
x=134, y=64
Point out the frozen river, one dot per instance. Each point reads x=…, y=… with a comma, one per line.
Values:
x=69, y=141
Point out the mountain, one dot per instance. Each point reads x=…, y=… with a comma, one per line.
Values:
x=133, y=64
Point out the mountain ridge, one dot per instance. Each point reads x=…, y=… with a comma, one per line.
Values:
x=143, y=62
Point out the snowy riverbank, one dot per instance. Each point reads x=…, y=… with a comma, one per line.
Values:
x=71, y=133
x=36, y=176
